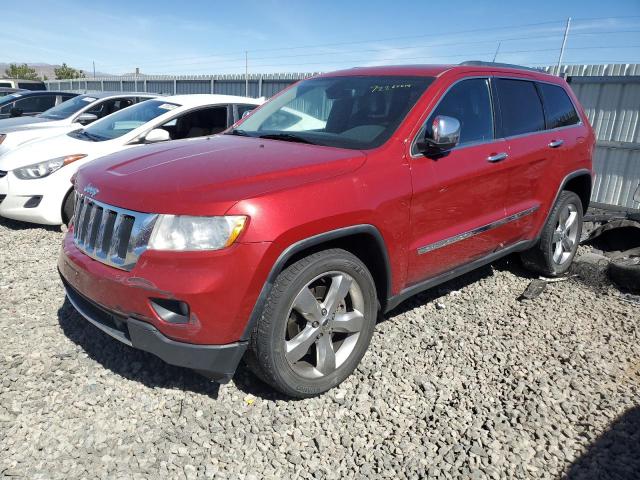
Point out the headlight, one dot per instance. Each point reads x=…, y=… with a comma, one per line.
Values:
x=181, y=232
x=43, y=169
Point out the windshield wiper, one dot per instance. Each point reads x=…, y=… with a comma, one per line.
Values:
x=240, y=133
x=287, y=137
x=83, y=133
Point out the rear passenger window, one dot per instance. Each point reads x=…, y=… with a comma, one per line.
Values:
x=469, y=101
x=520, y=107
x=558, y=107
x=36, y=104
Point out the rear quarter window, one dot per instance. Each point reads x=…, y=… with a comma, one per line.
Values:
x=559, y=109
x=520, y=107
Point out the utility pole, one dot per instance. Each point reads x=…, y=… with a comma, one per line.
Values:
x=495, y=55
x=246, y=73
x=94, y=70
x=564, y=43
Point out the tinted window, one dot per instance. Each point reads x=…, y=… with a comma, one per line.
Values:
x=347, y=112
x=32, y=85
x=197, y=123
x=558, y=106
x=520, y=107
x=6, y=84
x=38, y=103
x=110, y=106
x=469, y=101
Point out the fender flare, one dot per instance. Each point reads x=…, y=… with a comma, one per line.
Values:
x=303, y=244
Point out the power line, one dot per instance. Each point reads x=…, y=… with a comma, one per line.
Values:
x=506, y=27
x=239, y=62
x=462, y=55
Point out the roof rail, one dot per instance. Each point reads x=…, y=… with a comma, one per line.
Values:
x=479, y=63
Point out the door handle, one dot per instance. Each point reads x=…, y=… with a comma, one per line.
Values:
x=556, y=143
x=497, y=157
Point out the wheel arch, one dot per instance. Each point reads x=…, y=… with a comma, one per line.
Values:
x=64, y=201
x=364, y=241
x=579, y=183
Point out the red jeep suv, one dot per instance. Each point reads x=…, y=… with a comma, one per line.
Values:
x=280, y=240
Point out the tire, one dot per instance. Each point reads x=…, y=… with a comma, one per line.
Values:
x=67, y=207
x=553, y=254
x=625, y=273
x=316, y=324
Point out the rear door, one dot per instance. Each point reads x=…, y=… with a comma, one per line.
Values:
x=458, y=199
x=532, y=151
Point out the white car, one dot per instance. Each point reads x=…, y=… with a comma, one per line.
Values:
x=71, y=115
x=35, y=179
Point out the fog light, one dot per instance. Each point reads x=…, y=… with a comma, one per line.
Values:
x=171, y=311
x=33, y=202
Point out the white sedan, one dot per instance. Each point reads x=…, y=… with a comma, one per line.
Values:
x=35, y=179
x=65, y=117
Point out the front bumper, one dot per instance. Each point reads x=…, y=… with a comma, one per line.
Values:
x=52, y=191
x=218, y=362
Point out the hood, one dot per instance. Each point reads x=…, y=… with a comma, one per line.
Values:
x=40, y=149
x=8, y=124
x=19, y=136
x=207, y=176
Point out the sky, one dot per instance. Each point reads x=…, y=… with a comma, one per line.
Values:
x=207, y=37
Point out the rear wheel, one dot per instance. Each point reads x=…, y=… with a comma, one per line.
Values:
x=560, y=237
x=316, y=325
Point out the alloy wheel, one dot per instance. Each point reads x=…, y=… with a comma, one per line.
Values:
x=565, y=235
x=324, y=324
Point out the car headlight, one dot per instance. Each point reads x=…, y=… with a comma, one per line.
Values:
x=46, y=168
x=183, y=233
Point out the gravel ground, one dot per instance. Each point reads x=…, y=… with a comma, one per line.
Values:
x=461, y=382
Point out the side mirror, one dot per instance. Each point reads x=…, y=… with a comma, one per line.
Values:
x=16, y=112
x=157, y=135
x=444, y=135
x=86, y=118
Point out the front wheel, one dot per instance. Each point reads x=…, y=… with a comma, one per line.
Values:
x=68, y=207
x=316, y=325
x=559, y=239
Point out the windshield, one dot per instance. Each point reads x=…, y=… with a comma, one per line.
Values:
x=9, y=98
x=126, y=120
x=68, y=108
x=345, y=112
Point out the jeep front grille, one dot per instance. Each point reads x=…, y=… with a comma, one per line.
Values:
x=111, y=235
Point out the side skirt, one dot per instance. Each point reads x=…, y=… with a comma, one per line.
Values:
x=396, y=300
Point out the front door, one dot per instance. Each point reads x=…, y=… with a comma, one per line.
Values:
x=458, y=203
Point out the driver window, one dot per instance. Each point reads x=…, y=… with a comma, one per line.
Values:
x=110, y=106
x=198, y=123
x=469, y=101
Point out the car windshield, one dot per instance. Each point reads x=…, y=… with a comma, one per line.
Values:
x=9, y=98
x=68, y=108
x=124, y=121
x=347, y=112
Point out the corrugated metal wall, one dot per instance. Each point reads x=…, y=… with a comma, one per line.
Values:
x=259, y=85
x=610, y=95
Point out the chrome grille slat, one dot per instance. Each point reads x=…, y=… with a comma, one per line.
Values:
x=111, y=235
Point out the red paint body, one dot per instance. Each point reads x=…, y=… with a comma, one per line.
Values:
x=412, y=201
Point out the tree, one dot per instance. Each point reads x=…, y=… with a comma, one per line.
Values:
x=64, y=72
x=24, y=72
